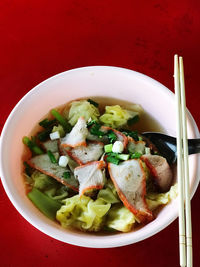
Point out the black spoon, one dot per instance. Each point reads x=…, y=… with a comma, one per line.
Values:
x=166, y=145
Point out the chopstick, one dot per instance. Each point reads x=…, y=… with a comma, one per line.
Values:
x=185, y=224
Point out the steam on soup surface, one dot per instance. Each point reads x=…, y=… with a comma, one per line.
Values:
x=90, y=169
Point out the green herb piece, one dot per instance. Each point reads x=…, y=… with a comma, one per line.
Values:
x=44, y=203
x=66, y=175
x=136, y=155
x=95, y=130
x=108, y=148
x=51, y=156
x=113, y=160
x=67, y=127
x=111, y=136
x=47, y=123
x=93, y=103
x=32, y=145
x=133, y=120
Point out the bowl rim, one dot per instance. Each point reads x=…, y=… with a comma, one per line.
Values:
x=82, y=242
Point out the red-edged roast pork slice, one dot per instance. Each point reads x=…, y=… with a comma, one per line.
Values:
x=85, y=154
x=90, y=176
x=44, y=165
x=130, y=182
x=135, y=146
x=160, y=171
x=77, y=136
x=120, y=136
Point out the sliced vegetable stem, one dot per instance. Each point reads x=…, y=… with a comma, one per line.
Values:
x=32, y=145
x=61, y=120
x=51, y=156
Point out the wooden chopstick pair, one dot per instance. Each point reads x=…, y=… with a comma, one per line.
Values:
x=185, y=224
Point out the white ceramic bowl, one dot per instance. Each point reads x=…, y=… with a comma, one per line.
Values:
x=120, y=83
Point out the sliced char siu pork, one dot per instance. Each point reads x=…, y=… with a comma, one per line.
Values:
x=160, y=171
x=130, y=181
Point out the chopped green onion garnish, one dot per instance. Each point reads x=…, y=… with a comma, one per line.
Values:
x=133, y=120
x=28, y=169
x=93, y=103
x=46, y=123
x=61, y=120
x=32, y=145
x=113, y=160
x=136, y=155
x=51, y=156
x=108, y=148
x=111, y=136
x=123, y=156
x=66, y=175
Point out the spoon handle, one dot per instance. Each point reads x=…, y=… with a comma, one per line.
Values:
x=193, y=146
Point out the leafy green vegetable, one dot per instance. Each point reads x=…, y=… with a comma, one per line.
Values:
x=45, y=204
x=67, y=127
x=120, y=218
x=112, y=159
x=44, y=135
x=82, y=108
x=93, y=103
x=116, y=116
x=28, y=169
x=32, y=145
x=115, y=157
x=83, y=213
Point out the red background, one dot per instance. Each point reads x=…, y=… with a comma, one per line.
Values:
x=42, y=38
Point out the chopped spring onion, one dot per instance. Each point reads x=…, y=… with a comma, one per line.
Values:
x=47, y=123
x=54, y=135
x=66, y=175
x=93, y=103
x=51, y=156
x=108, y=148
x=113, y=160
x=133, y=120
x=111, y=136
x=61, y=120
x=123, y=156
x=32, y=145
x=136, y=155
x=44, y=203
x=90, y=123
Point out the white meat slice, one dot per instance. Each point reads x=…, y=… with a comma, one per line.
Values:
x=85, y=154
x=77, y=136
x=130, y=182
x=90, y=176
x=44, y=165
x=160, y=170
x=51, y=145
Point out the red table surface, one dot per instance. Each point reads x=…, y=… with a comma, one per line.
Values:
x=42, y=38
